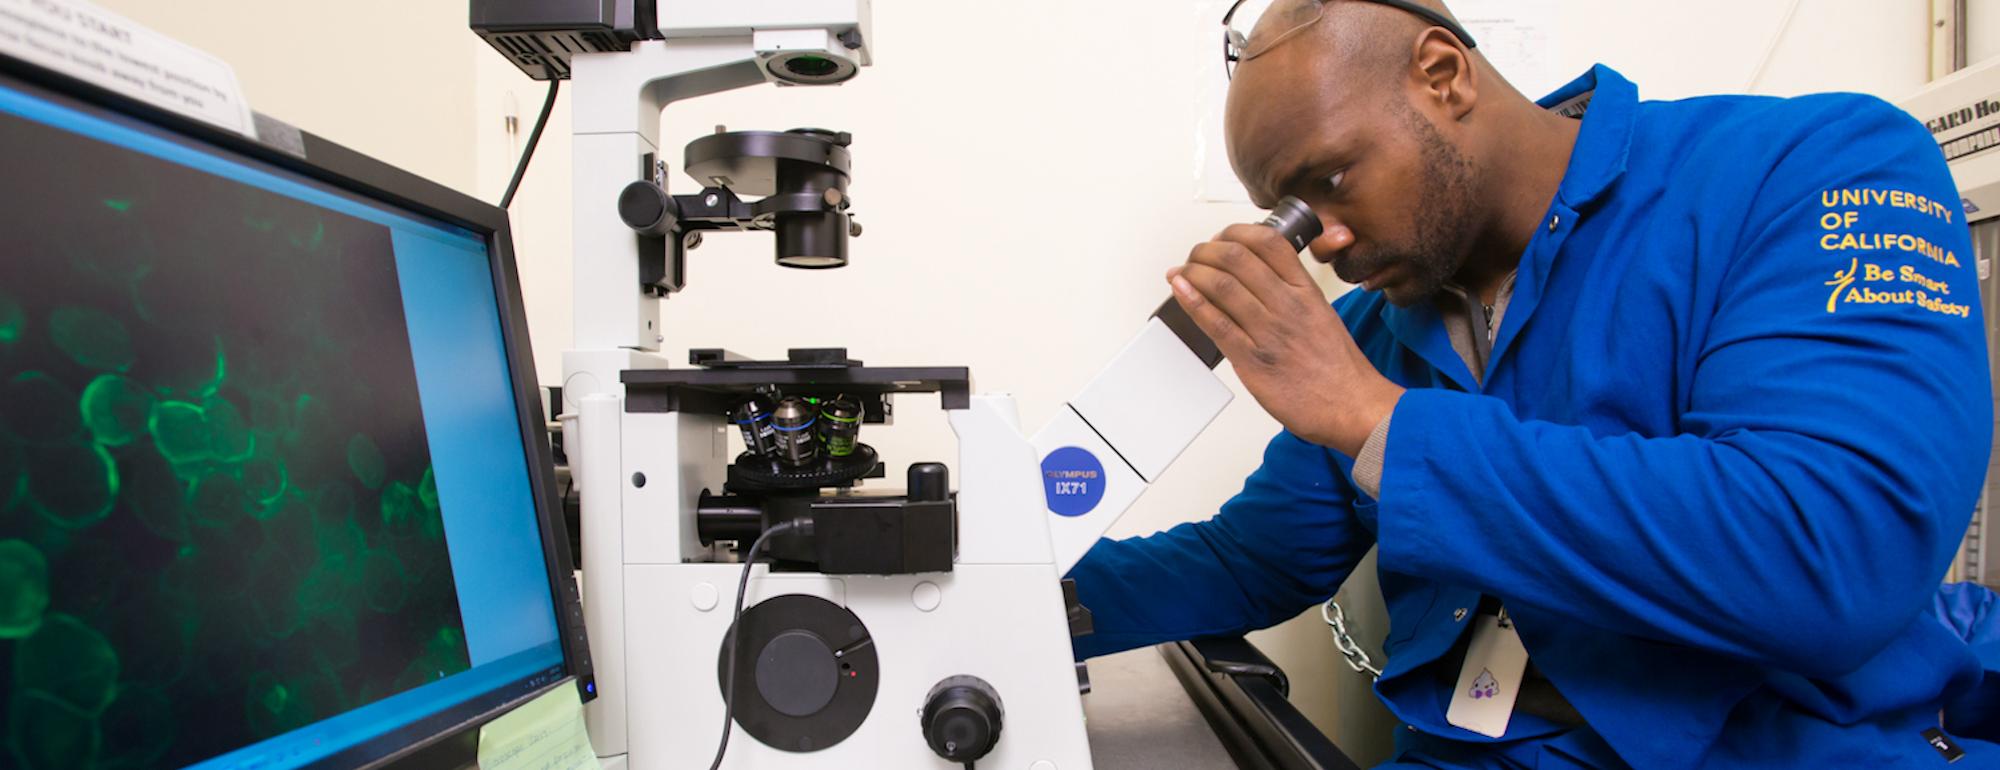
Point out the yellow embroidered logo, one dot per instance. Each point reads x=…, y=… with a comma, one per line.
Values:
x=1881, y=281
x=1840, y=282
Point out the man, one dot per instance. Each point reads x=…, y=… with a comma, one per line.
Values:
x=1686, y=402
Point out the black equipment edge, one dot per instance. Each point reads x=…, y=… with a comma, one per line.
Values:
x=353, y=172
x=1183, y=326
x=1241, y=694
x=710, y=390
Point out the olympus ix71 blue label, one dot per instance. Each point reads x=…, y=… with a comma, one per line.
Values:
x=1074, y=481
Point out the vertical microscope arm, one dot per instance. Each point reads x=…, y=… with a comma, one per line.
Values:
x=699, y=48
x=1119, y=435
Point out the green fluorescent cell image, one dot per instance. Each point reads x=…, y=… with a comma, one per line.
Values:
x=13, y=322
x=137, y=729
x=218, y=519
x=336, y=531
x=264, y=481
x=229, y=435
x=279, y=573
x=427, y=490
x=444, y=642
x=180, y=432
x=13, y=475
x=217, y=374
x=270, y=417
x=431, y=525
x=69, y=661
x=365, y=460
x=24, y=589
x=73, y=485
x=92, y=338
x=154, y=495
x=218, y=500
x=156, y=639
x=384, y=581
x=40, y=410
x=278, y=701
x=116, y=409
x=329, y=587
x=46, y=733
x=310, y=241
x=402, y=510
x=430, y=518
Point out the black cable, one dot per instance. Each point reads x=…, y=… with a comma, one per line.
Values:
x=729, y=640
x=535, y=137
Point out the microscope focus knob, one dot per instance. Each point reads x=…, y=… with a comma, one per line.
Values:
x=962, y=718
x=647, y=209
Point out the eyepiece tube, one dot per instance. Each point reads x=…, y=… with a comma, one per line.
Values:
x=1294, y=220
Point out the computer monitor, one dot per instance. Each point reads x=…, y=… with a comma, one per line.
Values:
x=275, y=486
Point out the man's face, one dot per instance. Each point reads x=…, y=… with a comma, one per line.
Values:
x=1303, y=122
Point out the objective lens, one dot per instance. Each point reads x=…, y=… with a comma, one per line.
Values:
x=753, y=416
x=840, y=425
x=811, y=66
x=793, y=421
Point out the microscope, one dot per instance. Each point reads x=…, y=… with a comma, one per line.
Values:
x=763, y=592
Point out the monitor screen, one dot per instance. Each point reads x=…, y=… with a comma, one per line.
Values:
x=265, y=494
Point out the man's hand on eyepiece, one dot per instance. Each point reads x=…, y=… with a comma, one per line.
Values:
x=1247, y=290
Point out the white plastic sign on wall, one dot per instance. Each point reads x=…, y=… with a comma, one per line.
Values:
x=95, y=45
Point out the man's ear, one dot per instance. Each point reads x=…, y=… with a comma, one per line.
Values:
x=1443, y=73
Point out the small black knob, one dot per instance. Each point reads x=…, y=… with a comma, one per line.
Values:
x=929, y=483
x=647, y=209
x=962, y=718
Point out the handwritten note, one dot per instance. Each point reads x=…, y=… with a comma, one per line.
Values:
x=544, y=734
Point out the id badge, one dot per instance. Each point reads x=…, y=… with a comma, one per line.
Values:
x=1491, y=678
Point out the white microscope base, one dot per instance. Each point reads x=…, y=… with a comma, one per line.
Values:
x=1003, y=623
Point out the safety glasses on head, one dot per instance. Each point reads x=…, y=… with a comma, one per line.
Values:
x=1236, y=41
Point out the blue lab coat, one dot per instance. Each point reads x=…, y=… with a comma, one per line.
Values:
x=1973, y=613
x=1731, y=432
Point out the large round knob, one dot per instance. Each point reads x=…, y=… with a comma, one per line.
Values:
x=647, y=209
x=962, y=718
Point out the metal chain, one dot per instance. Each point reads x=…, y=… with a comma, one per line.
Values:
x=1357, y=658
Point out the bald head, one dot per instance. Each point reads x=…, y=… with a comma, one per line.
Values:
x=1359, y=40
x=1310, y=60
x=1378, y=119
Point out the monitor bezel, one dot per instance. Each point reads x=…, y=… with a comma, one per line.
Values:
x=448, y=739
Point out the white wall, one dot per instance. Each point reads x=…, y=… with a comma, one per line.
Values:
x=1025, y=171
x=390, y=79
x=1982, y=30
x=1714, y=46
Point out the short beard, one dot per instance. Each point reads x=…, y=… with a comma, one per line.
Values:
x=1441, y=212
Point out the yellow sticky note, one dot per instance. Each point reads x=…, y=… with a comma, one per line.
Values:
x=543, y=734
